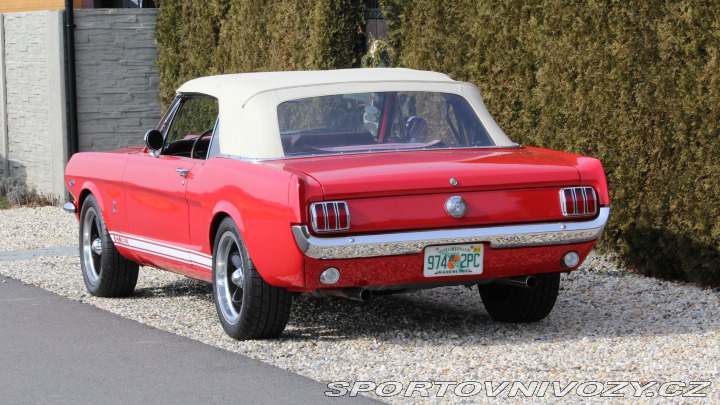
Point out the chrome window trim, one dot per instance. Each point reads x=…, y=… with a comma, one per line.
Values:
x=413, y=242
x=319, y=155
x=213, y=139
x=169, y=114
x=180, y=100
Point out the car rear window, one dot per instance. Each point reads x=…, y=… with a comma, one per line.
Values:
x=367, y=122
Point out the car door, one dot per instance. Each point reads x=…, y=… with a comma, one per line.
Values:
x=156, y=183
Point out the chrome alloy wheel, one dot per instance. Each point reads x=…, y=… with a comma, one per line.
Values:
x=229, y=277
x=92, y=245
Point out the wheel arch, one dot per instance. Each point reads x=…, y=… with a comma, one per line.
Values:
x=113, y=222
x=214, y=225
x=221, y=211
x=89, y=188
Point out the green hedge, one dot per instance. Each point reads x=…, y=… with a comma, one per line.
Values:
x=200, y=38
x=636, y=84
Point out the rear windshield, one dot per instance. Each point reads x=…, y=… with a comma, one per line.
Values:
x=366, y=122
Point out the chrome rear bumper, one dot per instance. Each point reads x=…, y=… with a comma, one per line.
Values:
x=407, y=243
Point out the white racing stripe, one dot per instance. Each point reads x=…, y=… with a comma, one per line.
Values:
x=162, y=249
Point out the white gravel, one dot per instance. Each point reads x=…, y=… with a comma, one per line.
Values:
x=608, y=325
x=37, y=228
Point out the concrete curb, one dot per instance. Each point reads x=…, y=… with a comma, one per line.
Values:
x=31, y=254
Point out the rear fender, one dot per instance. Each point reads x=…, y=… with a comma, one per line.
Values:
x=592, y=174
x=285, y=270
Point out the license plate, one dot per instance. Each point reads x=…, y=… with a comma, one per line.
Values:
x=453, y=260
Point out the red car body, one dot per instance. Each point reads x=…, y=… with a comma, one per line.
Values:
x=516, y=187
x=163, y=210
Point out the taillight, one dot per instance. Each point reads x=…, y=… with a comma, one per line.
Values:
x=330, y=216
x=578, y=201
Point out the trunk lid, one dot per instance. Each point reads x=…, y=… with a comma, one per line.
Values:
x=430, y=172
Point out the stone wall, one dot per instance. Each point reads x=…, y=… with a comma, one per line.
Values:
x=33, y=107
x=117, y=88
x=117, y=81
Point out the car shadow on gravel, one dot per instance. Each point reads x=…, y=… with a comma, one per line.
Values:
x=401, y=316
x=181, y=288
x=591, y=305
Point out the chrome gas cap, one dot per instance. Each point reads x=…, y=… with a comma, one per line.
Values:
x=455, y=206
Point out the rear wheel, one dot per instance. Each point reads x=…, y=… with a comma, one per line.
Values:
x=506, y=303
x=105, y=271
x=248, y=307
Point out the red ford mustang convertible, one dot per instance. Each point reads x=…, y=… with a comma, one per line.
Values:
x=348, y=183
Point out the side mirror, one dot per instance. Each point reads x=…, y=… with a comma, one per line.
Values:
x=154, y=140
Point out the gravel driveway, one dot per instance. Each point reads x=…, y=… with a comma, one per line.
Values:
x=608, y=326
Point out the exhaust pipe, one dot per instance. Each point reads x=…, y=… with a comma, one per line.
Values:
x=351, y=293
x=520, y=281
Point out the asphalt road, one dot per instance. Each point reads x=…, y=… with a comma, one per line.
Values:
x=54, y=350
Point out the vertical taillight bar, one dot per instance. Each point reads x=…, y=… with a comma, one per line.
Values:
x=332, y=216
x=318, y=216
x=580, y=198
x=567, y=201
x=344, y=218
x=591, y=201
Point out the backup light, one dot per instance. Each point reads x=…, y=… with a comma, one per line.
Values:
x=571, y=259
x=331, y=275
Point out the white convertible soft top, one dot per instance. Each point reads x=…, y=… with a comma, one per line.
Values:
x=248, y=125
x=241, y=87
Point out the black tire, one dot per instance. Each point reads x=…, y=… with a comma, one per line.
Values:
x=507, y=303
x=105, y=271
x=247, y=306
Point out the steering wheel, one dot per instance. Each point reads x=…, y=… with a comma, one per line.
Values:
x=204, y=134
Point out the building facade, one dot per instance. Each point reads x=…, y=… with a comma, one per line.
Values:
x=116, y=86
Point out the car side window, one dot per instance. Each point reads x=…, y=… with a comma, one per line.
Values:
x=191, y=128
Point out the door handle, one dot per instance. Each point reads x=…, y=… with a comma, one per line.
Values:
x=182, y=172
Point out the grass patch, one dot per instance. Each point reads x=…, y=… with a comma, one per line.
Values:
x=3, y=203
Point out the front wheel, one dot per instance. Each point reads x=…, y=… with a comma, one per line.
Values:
x=105, y=271
x=248, y=307
x=506, y=303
